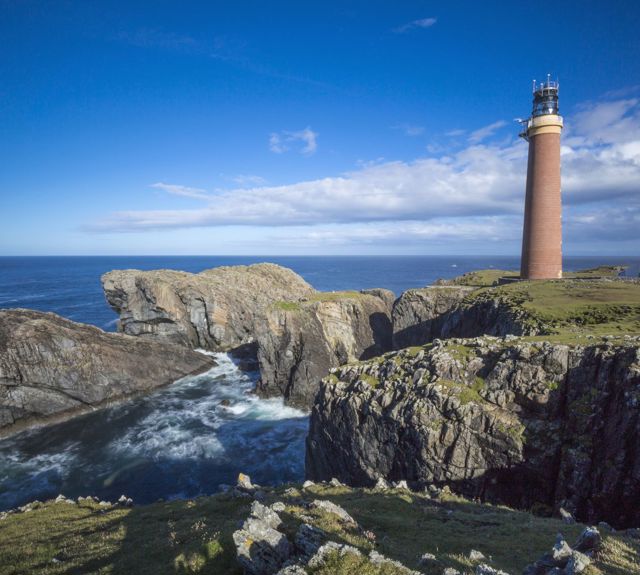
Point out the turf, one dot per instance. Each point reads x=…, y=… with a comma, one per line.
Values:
x=194, y=536
x=572, y=311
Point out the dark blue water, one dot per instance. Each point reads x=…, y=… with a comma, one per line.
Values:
x=70, y=286
x=183, y=440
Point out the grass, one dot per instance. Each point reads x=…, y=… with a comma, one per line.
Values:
x=465, y=393
x=489, y=278
x=317, y=297
x=572, y=310
x=195, y=536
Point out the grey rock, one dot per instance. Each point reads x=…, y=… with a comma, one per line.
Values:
x=308, y=540
x=450, y=571
x=244, y=482
x=589, y=540
x=427, y=559
x=379, y=559
x=264, y=311
x=577, y=563
x=512, y=422
x=382, y=484
x=298, y=345
x=52, y=368
x=307, y=484
x=260, y=548
x=566, y=516
x=215, y=309
x=434, y=313
x=331, y=507
x=331, y=547
x=402, y=484
x=475, y=555
x=561, y=550
x=292, y=570
x=278, y=506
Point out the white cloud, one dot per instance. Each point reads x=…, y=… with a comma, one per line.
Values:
x=475, y=194
x=282, y=142
x=248, y=180
x=421, y=23
x=483, y=133
x=184, y=191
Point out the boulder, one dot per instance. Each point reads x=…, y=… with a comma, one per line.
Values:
x=260, y=547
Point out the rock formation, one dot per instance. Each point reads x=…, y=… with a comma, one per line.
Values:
x=530, y=424
x=50, y=366
x=296, y=333
x=215, y=309
x=422, y=315
x=299, y=342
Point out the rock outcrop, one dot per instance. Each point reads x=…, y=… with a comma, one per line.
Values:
x=529, y=424
x=263, y=547
x=216, y=309
x=50, y=366
x=299, y=342
x=296, y=333
x=422, y=315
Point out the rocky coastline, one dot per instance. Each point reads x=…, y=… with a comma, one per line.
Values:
x=527, y=424
x=52, y=368
x=526, y=395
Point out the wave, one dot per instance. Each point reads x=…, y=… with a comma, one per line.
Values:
x=182, y=440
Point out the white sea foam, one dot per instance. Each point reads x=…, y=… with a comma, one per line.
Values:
x=181, y=425
x=184, y=439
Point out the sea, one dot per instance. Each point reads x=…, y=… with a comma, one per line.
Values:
x=194, y=436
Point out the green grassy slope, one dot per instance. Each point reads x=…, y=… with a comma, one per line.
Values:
x=195, y=536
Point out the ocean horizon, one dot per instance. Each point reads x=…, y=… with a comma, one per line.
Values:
x=70, y=285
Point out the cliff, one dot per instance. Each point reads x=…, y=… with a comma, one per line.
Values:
x=529, y=424
x=295, y=332
x=215, y=309
x=299, y=342
x=51, y=367
x=468, y=307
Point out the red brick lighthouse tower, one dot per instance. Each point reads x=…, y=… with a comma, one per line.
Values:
x=542, y=234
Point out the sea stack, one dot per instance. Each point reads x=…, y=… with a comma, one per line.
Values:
x=542, y=234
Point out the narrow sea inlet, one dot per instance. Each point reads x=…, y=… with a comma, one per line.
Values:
x=184, y=440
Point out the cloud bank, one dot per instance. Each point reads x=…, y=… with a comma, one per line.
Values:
x=474, y=194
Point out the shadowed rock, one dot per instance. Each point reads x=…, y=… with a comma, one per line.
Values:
x=525, y=424
x=51, y=367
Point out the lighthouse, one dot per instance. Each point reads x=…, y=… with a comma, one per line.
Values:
x=542, y=232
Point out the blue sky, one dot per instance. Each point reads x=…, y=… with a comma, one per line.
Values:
x=309, y=127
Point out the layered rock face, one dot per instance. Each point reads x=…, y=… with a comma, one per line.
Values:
x=422, y=315
x=299, y=342
x=528, y=424
x=296, y=333
x=50, y=366
x=216, y=309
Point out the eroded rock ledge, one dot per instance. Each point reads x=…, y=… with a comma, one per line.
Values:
x=51, y=367
x=530, y=424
